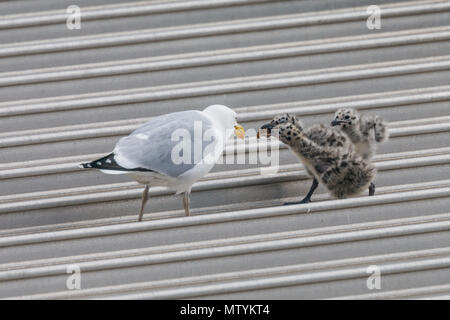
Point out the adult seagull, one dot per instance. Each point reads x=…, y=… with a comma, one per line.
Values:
x=173, y=150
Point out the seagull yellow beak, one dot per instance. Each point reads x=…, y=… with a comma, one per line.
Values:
x=239, y=131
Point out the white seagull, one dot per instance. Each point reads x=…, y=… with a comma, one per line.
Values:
x=173, y=150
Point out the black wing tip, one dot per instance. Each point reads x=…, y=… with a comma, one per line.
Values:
x=86, y=165
x=108, y=163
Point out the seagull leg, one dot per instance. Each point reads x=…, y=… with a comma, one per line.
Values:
x=372, y=189
x=307, y=199
x=186, y=202
x=144, y=200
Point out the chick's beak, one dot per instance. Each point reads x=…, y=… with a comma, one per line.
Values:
x=265, y=129
x=336, y=122
x=239, y=131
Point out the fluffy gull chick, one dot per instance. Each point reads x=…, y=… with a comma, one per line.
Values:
x=364, y=131
x=327, y=154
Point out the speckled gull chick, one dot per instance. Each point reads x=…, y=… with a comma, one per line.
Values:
x=365, y=131
x=173, y=150
x=327, y=154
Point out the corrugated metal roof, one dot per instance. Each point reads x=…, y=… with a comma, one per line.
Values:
x=66, y=96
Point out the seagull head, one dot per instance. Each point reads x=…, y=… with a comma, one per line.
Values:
x=227, y=119
x=346, y=119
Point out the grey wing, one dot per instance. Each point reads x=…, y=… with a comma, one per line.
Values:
x=166, y=145
x=380, y=132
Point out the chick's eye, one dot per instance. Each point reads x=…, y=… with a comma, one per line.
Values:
x=347, y=117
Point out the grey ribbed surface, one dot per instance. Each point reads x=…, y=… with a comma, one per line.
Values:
x=67, y=96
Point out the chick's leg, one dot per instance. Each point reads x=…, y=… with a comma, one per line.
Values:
x=307, y=199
